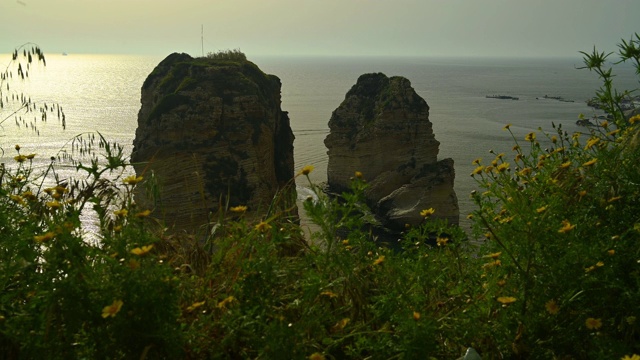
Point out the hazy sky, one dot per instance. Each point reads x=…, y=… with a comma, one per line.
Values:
x=320, y=27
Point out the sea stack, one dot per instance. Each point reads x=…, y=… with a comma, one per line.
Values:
x=213, y=134
x=382, y=129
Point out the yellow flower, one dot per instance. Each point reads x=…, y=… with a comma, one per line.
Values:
x=31, y=156
x=565, y=165
x=614, y=132
x=262, y=227
x=112, y=310
x=604, y=124
x=53, y=204
x=140, y=251
x=132, y=180
x=530, y=136
x=358, y=175
x=631, y=357
x=328, y=293
x=379, y=260
x=427, y=212
x=552, y=307
x=593, y=324
x=476, y=161
x=44, y=238
x=17, y=199
x=227, y=301
x=306, y=170
x=524, y=172
x=340, y=324
x=29, y=195
x=238, y=209
x=493, y=263
x=493, y=255
x=477, y=170
x=611, y=252
x=502, y=167
x=195, y=305
x=542, y=209
x=143, y=214
x=20, y=158
x=566, y=227
x=316, y=356
x=591, y=142
x=17, y=147
x=590, y=162
x=615, y=198
x=442, y=241
x=121, y=212
x=506, y=300
x=634, y=119
x=416, y=316
x=554, y=139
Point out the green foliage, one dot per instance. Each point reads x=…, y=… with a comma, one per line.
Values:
x=234, y=55
x=562, y=229
x=555, y=276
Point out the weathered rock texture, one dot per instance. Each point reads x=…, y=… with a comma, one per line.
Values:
x=382, y=129
x=212, y=131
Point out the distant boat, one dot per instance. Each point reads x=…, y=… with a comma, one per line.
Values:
x=64, y=54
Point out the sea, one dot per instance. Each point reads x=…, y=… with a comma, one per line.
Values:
x=101, y=93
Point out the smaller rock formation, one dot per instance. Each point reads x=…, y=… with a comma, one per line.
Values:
x=382, y=129
x=213, y=133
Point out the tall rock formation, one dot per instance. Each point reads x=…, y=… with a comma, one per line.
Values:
x=212, y=131
x=382, y=129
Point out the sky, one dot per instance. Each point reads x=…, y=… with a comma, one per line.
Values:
x=468, y=28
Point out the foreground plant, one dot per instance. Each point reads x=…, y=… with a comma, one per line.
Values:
x=561, y=227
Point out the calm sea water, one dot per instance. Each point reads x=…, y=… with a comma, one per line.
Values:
x=102, y=93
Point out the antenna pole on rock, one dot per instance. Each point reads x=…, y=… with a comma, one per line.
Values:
x=202, y=38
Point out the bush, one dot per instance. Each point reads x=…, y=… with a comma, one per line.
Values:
x=234, y=55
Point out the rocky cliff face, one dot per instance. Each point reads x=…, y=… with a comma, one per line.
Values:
x=213, y=132
x=382, y=129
